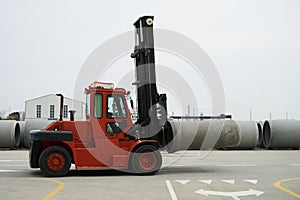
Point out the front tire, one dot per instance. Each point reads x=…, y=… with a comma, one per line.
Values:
x=55, y=161
x=146, y=160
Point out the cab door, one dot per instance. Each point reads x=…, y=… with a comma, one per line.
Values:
x=116, y=116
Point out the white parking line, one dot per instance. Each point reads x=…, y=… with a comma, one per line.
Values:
x=13, y=161
x=183, y=182
x=205, y=181
x=10, y=170
x=171, y=190
x=251, y=181
x=228, y=181
x=238, y=165
x=295, y=164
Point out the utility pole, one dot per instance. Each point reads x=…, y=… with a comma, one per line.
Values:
x=270, y=116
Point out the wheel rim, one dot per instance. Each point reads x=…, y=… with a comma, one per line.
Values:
x=56, y=162
x=147, y=161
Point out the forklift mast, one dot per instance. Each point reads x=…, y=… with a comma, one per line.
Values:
x=152, y=109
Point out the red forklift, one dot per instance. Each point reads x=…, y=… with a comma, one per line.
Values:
x=108, y=139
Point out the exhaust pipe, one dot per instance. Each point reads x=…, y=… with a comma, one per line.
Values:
x=72, y=115
x=61, y=106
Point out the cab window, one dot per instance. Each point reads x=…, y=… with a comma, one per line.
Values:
x=115, y=106
x=98, y=106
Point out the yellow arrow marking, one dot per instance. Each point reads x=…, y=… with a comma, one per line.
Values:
x=52, y=193
x=278, y=185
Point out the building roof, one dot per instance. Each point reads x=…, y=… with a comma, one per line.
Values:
x=44, y=96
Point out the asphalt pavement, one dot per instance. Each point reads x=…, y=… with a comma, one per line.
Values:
x=190, y=175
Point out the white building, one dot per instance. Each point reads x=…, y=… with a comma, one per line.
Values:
x=48, y=107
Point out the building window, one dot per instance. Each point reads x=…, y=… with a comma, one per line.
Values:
x=51, y=111
x=65, y=115
x=38, y=111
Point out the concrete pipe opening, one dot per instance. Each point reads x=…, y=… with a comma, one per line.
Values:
x=267, y=134
x=17, y=136
x=260, y=135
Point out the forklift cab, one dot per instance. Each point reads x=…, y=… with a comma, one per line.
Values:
x=107, y=110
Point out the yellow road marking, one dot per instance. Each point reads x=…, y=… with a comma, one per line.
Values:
x=52, y=193
x=278, y=185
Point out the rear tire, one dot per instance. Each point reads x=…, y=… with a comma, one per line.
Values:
x=145, y=160
x=55, y=161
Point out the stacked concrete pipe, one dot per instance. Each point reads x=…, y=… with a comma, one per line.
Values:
x=204, y=135
x=9, y=134
x=281, y=134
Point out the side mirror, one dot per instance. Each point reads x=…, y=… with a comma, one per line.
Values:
x=129, y=97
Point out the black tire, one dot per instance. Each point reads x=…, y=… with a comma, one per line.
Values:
x=55, y=161
x=145, y=160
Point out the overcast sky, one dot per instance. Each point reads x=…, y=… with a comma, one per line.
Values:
x=254, y=45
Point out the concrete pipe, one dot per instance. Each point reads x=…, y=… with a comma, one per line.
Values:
x=36, y=124
x=260, y=143
x=281, y=134
x=9, y=134
x=191, y=135
x=249, y=135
